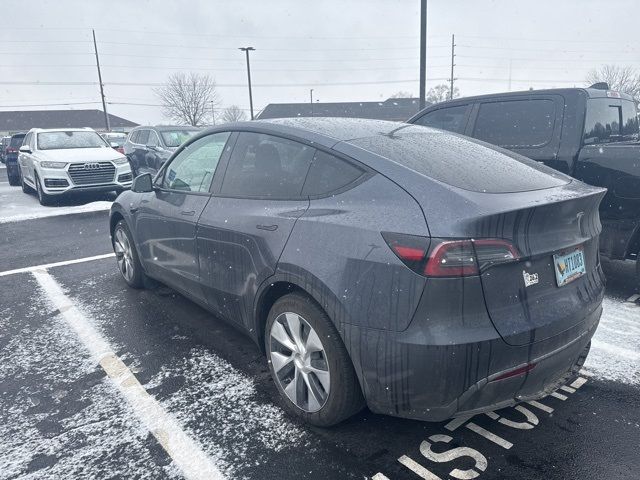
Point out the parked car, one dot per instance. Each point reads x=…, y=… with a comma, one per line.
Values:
x=11, y=158
x=147, y=148
x=54, y=162
x=115, y=139
x=424, y=273
x=588, y=133
x=4, y=143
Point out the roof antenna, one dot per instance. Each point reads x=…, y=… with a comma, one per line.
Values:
x=600, y=86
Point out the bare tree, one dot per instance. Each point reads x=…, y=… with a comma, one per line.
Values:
x=440, y=93
x=187, y=98
x=233, y=113
x=622, y=79
x=402, y=94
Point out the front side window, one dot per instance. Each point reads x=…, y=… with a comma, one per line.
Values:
x=69, y=139
x=193, y=168
x=267, y=166
x=610, y=120
x=153, y=139
x=516, y=123
x=143, y=137
x=451, y=118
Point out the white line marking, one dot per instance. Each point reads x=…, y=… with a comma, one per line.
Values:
x=56, y=264
x=185, y=451
x=489, y=436
x=492, y=415
x=559, y=396
x=540, y=406
x=379, y=476
x=418, y=469
x=615, y=350
x=567, y=389
x=633, y=298
x=578, y=382
x=457, y=422
x=586, y=373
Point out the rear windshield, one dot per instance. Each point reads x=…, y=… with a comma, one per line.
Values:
x=610, y=120
x=175, y=138
x=462, y=163
x=69, y=139
x=16, y=141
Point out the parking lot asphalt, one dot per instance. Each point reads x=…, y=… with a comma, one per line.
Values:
x=101, y=381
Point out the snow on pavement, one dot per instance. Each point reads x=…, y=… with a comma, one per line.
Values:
x=615, y=348
x=17, y=206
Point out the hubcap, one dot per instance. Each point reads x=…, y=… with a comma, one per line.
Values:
x=299, y=361
x=124, y=258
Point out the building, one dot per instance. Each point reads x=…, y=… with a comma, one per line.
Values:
x=394, y=109
x=24, y=120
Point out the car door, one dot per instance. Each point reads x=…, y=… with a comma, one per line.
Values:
x=166, y=219
x=25, y=159
x=153, y=161
x=244, y=228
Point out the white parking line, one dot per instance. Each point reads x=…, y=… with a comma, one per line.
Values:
x=56, y=264
x=186, y=452
x=559, y=396
x=578, y=382
x=540, y=406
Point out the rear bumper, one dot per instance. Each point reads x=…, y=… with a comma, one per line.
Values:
x=446, y=363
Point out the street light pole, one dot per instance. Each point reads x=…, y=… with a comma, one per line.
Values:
x=423, y=52
x=311, y=98
x=247, y=50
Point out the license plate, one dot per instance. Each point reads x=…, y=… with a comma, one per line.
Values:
x=569, y=266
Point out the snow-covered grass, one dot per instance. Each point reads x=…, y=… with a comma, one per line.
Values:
x=615, y=350
x=16, y=206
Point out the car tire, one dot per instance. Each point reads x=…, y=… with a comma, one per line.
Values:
x=127, y=256
x=298, y=370
x=43, y=198
x=25, y=188
x=638, y=272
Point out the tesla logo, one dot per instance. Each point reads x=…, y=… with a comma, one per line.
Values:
x=529, y=278
x=91, y=166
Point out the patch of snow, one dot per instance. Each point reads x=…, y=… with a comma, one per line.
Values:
x=615, y=348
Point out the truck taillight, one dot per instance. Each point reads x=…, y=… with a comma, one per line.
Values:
x=450, y=258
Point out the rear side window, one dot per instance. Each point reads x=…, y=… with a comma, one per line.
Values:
x=328, y=174
x=267, y=166
x=516, y=123
x=462, y=163
x=451, y=118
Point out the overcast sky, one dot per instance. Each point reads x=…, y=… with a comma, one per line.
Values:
x=344, y=50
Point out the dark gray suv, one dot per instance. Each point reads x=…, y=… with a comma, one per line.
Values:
x=147, y=148
x=419, y=272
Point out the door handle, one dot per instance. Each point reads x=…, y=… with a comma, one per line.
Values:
x=133, y=209
x=270, y=228
x=190, y=213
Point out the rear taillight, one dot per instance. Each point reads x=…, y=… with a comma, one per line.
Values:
x=11, y=150
x=450, y=258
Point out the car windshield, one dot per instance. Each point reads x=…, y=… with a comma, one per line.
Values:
x=68, y=139
x=175, y=138
x=16, y=141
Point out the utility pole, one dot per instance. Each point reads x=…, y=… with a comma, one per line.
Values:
x=247, y=50
x=311, y=100
x=423, y=52
x=104, y=103
x=453, y=55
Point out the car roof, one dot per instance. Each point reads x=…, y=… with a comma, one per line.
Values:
x=162, y=128
x=78, y=129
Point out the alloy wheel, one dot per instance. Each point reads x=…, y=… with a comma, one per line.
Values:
x=124, y=256
x=299, y=361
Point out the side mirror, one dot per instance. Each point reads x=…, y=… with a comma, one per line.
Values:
x=25, y=149
x=142, y=183
x=114, y=145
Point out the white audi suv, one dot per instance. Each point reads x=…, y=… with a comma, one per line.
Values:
x=53, y=162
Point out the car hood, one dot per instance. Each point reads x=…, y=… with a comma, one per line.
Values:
x=79, y=155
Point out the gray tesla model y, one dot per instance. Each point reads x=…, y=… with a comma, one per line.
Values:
x=418, y=272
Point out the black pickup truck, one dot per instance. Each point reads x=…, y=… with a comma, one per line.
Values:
x=588, y=133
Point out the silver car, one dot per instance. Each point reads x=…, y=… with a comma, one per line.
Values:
x=53, y=162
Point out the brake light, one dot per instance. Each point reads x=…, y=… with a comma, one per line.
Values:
x=450, y=258
x=516, y=372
